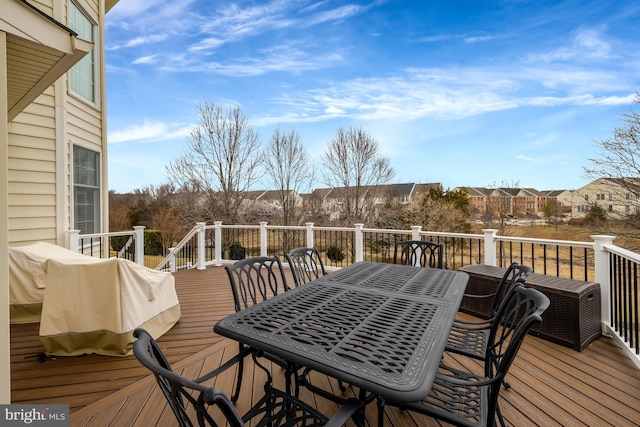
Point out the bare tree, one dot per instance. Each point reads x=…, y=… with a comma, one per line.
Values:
x=619, y=155
x=619, y=161
x=221, y=160
x=353, y=164
x=118, y=211
x=288, y=167
x=441, y=213
x=500, y=202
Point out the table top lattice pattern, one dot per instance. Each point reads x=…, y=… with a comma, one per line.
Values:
x=360, y=330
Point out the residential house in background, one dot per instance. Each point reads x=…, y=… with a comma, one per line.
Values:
x=266, y=204
x=52, y=129
x=497, y=203
x=618, y=197
x=332, y=203
x=562, y=201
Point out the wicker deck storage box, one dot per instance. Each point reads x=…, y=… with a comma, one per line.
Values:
x=572, y=319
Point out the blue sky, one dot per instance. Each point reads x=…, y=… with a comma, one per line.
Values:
x=465, y=93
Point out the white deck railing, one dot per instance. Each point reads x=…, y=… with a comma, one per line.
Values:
x=217, y=244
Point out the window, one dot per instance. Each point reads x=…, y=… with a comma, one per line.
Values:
x=610, y=209
x=86, y=190
x=610, y=196
x=82, y=75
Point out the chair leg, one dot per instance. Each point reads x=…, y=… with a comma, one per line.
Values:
x=380, y=404
x=236, y=393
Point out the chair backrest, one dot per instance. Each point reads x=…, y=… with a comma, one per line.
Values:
x=256, y=279
x=521, y=309
x=418, y=252
x=305, y=264
x=514, y=272
x=181, y=392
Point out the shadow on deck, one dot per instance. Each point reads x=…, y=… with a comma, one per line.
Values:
x=551, y=384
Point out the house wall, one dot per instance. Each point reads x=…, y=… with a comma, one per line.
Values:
x=41, y=140
x=32, y=173
x=607, y=194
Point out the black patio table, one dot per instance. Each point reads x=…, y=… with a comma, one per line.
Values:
x=380, y=327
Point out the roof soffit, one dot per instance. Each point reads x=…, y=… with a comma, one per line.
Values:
x=39, y=52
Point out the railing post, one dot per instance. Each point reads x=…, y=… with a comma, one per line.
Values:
x=201, y=245
x=217, y=227
x=310, y=242
x=415, y=235
x=415, y=232
x=359, y=242
x=263, y=238
x=490, y=246
x=602, y=263
x=74, y=240
x=139, y=229
x=172, y=261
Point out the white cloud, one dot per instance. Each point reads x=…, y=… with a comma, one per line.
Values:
x=151, y=59
x=208, y=43
x=526, y=158
x=149, y=132
x=588, y=43
x=452, y=93
x=476, y=39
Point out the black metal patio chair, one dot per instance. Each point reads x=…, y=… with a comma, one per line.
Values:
x=194, y=403
x=254, y=280
x=470, y=338
x=465, y=399
x=418, y=252
x=305, y=264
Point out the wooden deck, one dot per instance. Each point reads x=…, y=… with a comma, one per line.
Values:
x=551, y=385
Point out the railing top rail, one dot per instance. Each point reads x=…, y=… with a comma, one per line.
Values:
x=385, y=230
x=334, y=228
x=423, y=233
x=588, y=245
x=287, y=227
x=617, y=250
x=247, y=227
x=444, y=234
x=110, y=234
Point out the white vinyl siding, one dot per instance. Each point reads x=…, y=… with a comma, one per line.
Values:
x=86, y=190
x=32, y=173
x=82, y=75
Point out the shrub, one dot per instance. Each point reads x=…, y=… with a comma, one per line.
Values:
x=236, y=251
x=153, y=242
x=335, y=254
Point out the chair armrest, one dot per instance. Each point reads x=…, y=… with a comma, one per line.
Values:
x=463, y=378
x=473, y=324
x=346, y=411
x=235, y=359
x=479, y=296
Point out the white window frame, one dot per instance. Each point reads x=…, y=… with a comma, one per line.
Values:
x=92, y=56
x=82, y=187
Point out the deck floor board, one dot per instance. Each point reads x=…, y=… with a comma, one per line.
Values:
x=551, y=384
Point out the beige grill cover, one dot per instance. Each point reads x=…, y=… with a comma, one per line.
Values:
x=27, y=277
x=93, y=305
